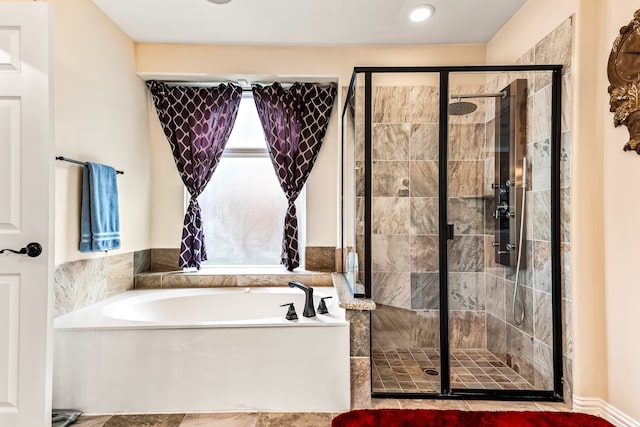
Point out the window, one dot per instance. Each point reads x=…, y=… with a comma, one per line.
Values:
x=243, y=206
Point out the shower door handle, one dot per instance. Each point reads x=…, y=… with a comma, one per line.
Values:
x=450, y=232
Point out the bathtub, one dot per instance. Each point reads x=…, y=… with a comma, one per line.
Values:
x=202, y=350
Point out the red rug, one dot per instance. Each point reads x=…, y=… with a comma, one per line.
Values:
x=437, y=418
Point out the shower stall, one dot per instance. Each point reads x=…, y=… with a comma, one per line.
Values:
x=451, y=224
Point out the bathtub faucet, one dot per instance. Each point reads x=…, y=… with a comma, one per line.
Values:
x=309, y=311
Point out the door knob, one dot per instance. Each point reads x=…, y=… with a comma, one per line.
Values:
x=32, y=249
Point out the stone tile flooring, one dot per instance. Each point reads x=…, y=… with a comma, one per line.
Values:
x=416, y=370
x=300, y=419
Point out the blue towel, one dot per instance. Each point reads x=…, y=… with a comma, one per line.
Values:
x=100, y=220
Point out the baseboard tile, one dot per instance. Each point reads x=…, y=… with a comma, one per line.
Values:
x=597, y=406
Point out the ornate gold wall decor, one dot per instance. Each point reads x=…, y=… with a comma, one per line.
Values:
x=623, y=70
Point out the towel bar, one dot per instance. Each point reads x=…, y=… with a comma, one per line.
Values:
x=66, y=159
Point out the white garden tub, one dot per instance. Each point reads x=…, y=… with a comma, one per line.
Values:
x=202, y=350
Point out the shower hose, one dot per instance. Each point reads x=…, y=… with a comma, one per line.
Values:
x=519, y=320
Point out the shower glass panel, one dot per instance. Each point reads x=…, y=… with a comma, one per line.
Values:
x=452, y=191
x=404, y=233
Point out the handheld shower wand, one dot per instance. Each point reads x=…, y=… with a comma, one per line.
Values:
x=520, y=320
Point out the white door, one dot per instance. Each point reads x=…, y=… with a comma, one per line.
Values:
x=26, y=182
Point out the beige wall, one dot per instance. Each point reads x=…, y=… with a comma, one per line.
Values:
x=621, y=234
x=100, y=115
x=265, y=63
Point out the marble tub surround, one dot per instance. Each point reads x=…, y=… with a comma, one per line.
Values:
x=320, y=258
x=78, y=284
x=223, y=277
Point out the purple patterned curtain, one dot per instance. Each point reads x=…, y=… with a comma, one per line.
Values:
x=197, y=121
x=294, y=121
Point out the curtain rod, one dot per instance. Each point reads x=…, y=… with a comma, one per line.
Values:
x=66, y=159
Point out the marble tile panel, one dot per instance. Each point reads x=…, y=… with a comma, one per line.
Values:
x=466, y=178
x=233, y=419
x=390, y=215
x=542, y=114
x=490, y=138
x=390, y=104
x=359, y=104
x=542, y=320
x=527, y=58
x=467, y=291
x=424, y=143
x=502, y=406
x=490, y=265
x=565, y=257
x=424, y=253
x=397, y=328
x=392, y=289
x=523, y=292
x=147, y=420
x=424, y=104
x=359, y=329
x=520, y=353
x=497, y=337
x=467, y=215
x=424, y=215
x=467, y=329
x=390, y=253
x=78, y=284
x=390, y=179
x=165, y=259
x=390, y=141
x=567, y=370
x=360, y=179
x=307, y=419
x=565, y=215
x=466, y=141
x=360, y=216
x=119, y=273
x=360, y=382
x=148, y=281
x=567, y=328
x=359, y=143
x=320, y=258
x=142, y=261
x=541, y=215
x=541, y=166
x=543, y=365
x=423, y=178
x=496, y=301
x=556, y=47
x=565, y=122
x=197, y=280
x=425, y=291
x=466, y=254
x=542, y=266
x=565, y=159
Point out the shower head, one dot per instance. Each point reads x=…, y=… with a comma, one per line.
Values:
x=460, y=108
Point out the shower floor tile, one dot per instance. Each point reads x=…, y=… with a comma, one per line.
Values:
x=417, y=370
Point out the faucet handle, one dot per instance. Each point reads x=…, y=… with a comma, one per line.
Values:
x=322, y=306
x=291, y=312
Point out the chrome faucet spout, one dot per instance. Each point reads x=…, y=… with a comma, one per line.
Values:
x=309, y=311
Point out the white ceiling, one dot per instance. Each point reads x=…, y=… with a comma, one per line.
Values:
x=308, y=22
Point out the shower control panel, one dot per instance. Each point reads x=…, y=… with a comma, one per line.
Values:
x=510, y=147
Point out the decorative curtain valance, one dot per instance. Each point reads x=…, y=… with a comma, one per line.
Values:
x=197, y=122
x=295, y=121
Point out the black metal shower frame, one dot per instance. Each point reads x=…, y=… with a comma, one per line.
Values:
x=446, y=391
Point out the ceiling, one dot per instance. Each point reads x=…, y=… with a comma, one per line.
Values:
x=308, y=22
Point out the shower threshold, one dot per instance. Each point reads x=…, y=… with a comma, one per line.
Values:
x=417, y=370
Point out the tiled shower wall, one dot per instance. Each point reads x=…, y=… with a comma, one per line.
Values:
x=528, y=347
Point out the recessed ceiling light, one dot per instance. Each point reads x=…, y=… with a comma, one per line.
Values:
x=420, y=13
x=219, y=1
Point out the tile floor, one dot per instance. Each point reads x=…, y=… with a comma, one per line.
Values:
x=271, y=419
x=416, y=370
